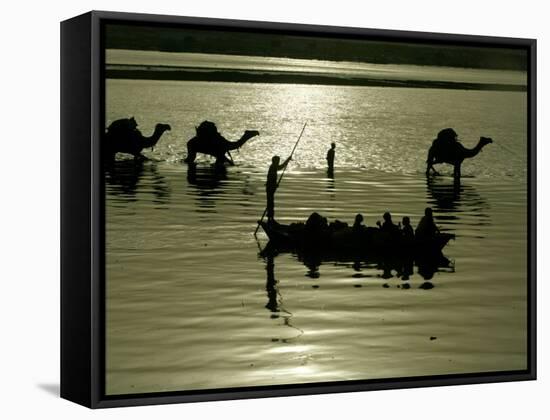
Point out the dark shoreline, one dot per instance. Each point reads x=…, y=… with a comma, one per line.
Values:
x=307, y=79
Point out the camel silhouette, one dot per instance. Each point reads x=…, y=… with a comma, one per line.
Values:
x=210, y=142
x=447, y=149
x=123, y=136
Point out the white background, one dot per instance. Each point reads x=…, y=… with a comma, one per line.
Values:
x=29, y=210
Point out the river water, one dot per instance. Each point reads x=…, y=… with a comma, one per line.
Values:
x=192, y=305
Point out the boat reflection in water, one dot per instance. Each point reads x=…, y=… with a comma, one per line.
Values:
x=208, y=184
x=381, y=266
x=275, y=302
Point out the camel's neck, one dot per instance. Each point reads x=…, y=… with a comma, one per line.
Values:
x=469, y=153
x=153, y=140
x=232, y=145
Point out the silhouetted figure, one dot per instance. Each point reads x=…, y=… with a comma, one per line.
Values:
x=407, y=231
x=447, y=149
x=271, y=185
x=388, y=225
x=316, y=222
x=330, y=158
x=427, y=228
x=358, y=225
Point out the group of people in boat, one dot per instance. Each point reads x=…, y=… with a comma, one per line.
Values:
x=425, y=230
x=426, y=227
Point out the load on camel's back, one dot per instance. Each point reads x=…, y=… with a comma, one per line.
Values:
x=210, y=142
x=123, y=136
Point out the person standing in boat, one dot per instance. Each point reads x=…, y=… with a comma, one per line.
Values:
x=330, y=158
x=427, y=228
x=271, y=185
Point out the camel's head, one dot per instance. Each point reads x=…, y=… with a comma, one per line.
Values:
x=163, y=127
x=485, y=140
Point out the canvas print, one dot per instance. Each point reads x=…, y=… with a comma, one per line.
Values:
x=287, y=209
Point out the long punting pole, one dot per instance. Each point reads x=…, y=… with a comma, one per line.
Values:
x=281, y=177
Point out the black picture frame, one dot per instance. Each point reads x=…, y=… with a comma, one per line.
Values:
x=83, y=221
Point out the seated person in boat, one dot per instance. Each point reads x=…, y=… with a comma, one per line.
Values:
x=427, y=228
x=358, y=225
x=388, y=225
x=337, y=225
x=407, y=231
x=316, y=223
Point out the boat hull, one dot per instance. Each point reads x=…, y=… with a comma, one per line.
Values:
x=349, y=242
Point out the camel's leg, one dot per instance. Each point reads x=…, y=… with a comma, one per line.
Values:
x=429, y=161
x=221, y=160
x=138, y=157
x=228, y=160
x=111, y=157
x=191, y=155
x=431, y=168
x=456, y=187
x=457, y=171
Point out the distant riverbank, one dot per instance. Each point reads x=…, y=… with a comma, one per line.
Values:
x=138, y=72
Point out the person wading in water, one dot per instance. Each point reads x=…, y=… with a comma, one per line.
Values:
x=330, y=157
x=271, y=185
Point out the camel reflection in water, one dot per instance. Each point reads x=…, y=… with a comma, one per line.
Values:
x=125, y=178
x=455, y=202
x=207, y=184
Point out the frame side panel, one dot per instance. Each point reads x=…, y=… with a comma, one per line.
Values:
x=75, y=210
x=532, y=202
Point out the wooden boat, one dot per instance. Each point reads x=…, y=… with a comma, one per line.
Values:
x=344, y=240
